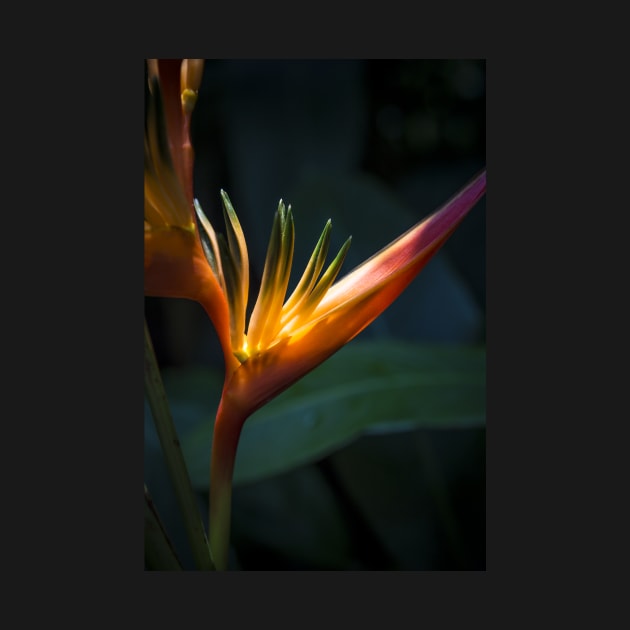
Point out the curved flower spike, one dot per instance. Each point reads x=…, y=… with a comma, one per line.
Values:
x=286, y=339
x=174, y=261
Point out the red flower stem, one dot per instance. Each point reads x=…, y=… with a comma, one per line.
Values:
x=227, y=430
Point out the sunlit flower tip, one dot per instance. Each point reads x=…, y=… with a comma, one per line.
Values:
x=229, y=261
x=272, y=319
x=191, y=74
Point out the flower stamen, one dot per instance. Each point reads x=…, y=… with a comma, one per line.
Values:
x=272, y=318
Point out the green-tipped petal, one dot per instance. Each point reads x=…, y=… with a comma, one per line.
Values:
x=310, y=275
x=329, y=276
x=210, y=245
x=238, y=246
x=237, y=259
x=315, y=296
x=229, y=261
x=233, y=277
x=265, y=319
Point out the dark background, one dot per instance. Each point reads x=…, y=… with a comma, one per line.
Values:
x=375, y=145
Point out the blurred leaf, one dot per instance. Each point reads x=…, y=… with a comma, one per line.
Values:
x=366, y=387
x=294, y=517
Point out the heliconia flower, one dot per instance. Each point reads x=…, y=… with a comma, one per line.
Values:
x=285, y=337
x=288, y=337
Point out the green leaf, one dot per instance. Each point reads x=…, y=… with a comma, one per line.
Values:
x=366, y=387
x=174, y=458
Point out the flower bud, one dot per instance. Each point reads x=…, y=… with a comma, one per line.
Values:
x=191, y=74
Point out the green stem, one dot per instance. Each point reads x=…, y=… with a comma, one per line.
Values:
x=175, y=463
x=227, y=429
x=158, y=550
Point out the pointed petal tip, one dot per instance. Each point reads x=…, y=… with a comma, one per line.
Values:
x=479, y=179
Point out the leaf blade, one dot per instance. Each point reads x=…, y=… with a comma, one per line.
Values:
x=369, y=387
